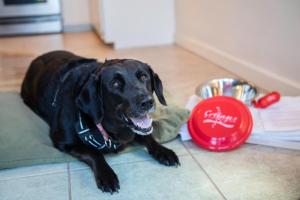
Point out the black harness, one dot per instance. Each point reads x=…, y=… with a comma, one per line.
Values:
x=92, y=138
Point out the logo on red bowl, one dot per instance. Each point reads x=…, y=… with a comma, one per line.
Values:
x=218, y=118
x=220, y=123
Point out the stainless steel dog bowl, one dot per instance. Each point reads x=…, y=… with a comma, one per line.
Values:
x=237, y=88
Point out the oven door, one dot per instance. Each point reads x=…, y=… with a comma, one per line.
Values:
x=21, y=8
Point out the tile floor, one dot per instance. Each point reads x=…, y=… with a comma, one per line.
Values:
x=250, y=172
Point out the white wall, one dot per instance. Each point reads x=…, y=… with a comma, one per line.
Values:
x=76, y=15
x=257, y=39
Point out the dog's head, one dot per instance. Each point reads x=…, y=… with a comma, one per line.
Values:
x=120, y=95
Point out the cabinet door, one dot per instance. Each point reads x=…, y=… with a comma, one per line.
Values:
x=130, y=23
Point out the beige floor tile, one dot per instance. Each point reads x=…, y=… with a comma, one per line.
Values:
x=138, y=155
x=46, y=187
x=46, y=182
x=252, y=171
x=149, y=180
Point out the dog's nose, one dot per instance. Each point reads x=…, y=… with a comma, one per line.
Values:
x=147, y=103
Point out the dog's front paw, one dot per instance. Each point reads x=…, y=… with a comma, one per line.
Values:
x=107, y=180
x=165, y=156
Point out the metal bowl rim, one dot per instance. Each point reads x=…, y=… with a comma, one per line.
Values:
x=230, y=78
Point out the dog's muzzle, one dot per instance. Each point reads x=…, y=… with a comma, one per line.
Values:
x=141, y=125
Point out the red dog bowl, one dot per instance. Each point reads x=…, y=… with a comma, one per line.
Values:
x=220, y=123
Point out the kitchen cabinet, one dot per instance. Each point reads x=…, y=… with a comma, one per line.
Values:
x=134, y=23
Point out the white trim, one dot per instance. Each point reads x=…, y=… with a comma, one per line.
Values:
x=80, y=120
x=256, y=74
x=85, y=130
x=77, y=28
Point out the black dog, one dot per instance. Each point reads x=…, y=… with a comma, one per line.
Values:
x=94, y=108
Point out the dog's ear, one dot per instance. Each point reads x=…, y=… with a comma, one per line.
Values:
x=89, y=99
x=157, y=86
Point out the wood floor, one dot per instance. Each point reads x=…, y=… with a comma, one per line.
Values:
x=180, y=70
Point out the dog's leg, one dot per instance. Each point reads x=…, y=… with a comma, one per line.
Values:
x=160, y=153
x=105, y=177
x=63, y=138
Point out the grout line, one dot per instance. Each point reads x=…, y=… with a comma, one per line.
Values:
x=131, y=162
x=205, y=172
x=138, y=161
x=69, y=181
x=33, y=175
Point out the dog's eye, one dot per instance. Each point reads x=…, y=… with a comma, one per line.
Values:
x=143, y=77
x=116, y=84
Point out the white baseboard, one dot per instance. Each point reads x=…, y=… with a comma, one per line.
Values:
x=256, y=74
x=77, y=28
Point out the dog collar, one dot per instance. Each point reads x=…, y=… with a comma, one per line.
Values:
x=90, y=137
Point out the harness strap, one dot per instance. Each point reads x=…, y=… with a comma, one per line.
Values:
x=99, y=141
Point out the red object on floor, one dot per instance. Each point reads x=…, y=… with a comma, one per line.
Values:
x=220, y=123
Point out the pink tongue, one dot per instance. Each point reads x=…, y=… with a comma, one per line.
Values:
x=142, y=122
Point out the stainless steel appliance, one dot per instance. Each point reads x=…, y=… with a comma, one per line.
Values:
x=30, y=17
